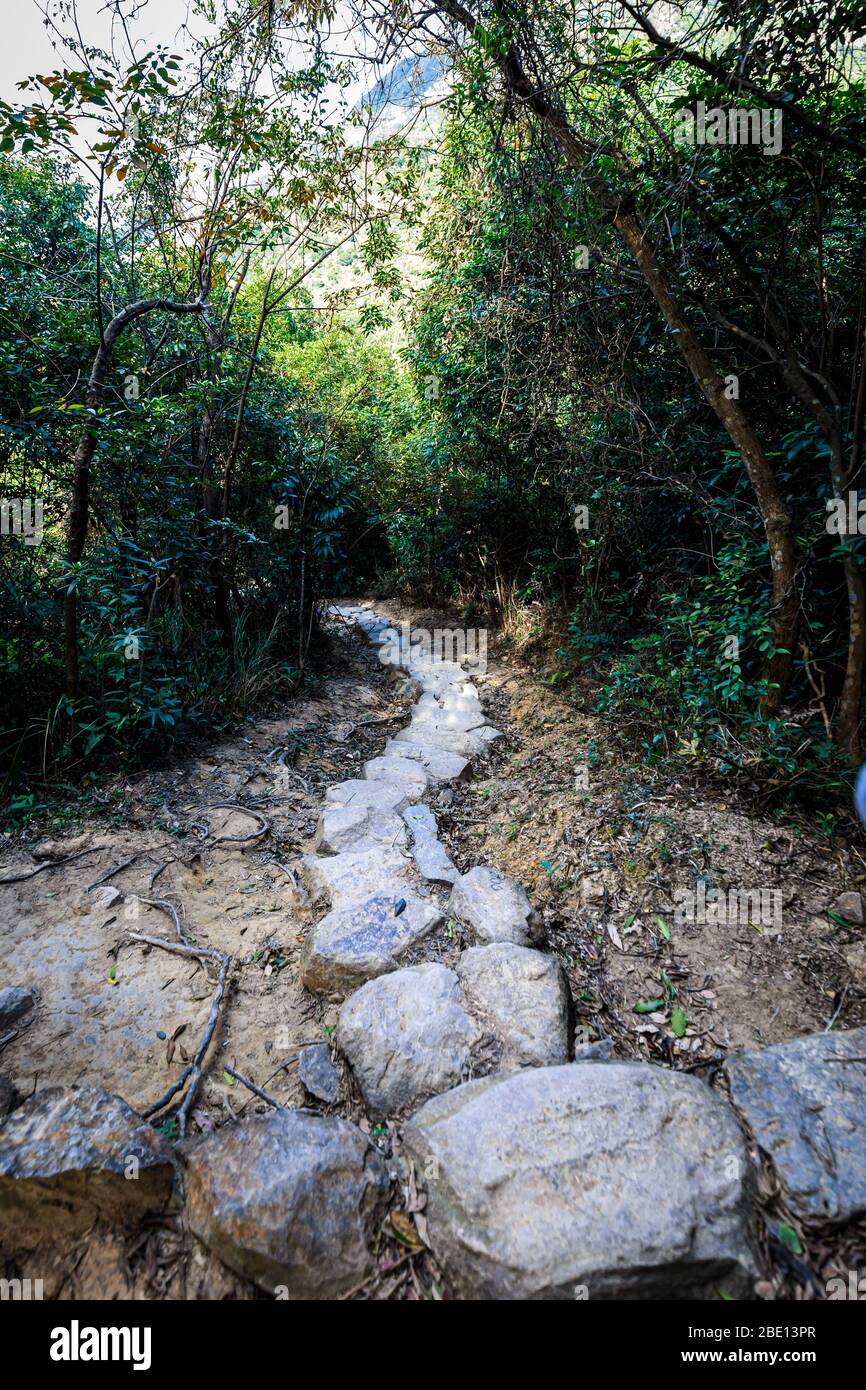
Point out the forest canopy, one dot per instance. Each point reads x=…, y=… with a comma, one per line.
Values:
x=554, y=315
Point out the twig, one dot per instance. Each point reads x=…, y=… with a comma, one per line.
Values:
x=256, y=1090
x=838, y=1010
x=379, y=1275
x=820, y=691
x=194, y=1070
x=270, y=1078
x=163, y=905
x=172, y=1091
x=293, y=772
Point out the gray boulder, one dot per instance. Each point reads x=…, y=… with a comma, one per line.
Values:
x=438, y=763
x=461, y=713
x=523, y=1000
x=495, y=906
x=357, y=791
x=432, y=860
x=398, y=772
x=15, y=1002
x=805, y=1103
x=434, y=733
x=71, y=1154
x=420, y=817
x=355, y=875
x=407, y=1036
x=358, y=943
x=615, y=1181
x=319, y=1077
x=288, y=1200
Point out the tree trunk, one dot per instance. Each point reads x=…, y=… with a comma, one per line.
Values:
x=774, y=513
x=79, y=514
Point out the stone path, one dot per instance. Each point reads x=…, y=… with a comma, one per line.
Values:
x=539, y=1174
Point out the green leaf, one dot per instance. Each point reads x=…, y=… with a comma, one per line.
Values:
x=678, y=1022
x=649, y=1006
x=663, y=928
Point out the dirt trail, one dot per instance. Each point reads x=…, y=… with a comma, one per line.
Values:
x=602, y=863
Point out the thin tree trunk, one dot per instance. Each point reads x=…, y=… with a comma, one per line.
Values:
x=774, y=513
x=79, y=514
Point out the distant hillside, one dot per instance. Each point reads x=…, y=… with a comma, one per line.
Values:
x=414, y=85
x=408, y=83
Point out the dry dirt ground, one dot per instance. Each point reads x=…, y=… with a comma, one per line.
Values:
x=603, y=861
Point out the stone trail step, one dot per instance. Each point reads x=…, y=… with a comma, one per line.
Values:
x=357, y=943
x=411, y=1034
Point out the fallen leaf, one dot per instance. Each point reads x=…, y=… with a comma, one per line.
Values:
x=789, y=1238
x=404, y=1229
x=649, y=1006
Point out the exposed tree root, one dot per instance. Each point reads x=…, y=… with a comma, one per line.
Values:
x=242, y=839
x=53, y=864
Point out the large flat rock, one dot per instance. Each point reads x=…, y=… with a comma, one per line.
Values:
x=495, y=906
x=523, y=1000
x=368, y=939
x=619, y=1179
x=461, y=712
x=90, y=1029
x=438, y=763
x=71, y=1154
x=421, y=818
x=437, y=675
x=288, y=1200
x=407, y=1036
x=430, y=732
x=398, y=772
x=353, y=876
x=805, y=1103
x=357, y=827
x=358, y=792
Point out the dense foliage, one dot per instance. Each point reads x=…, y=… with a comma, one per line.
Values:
x=528, y=433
